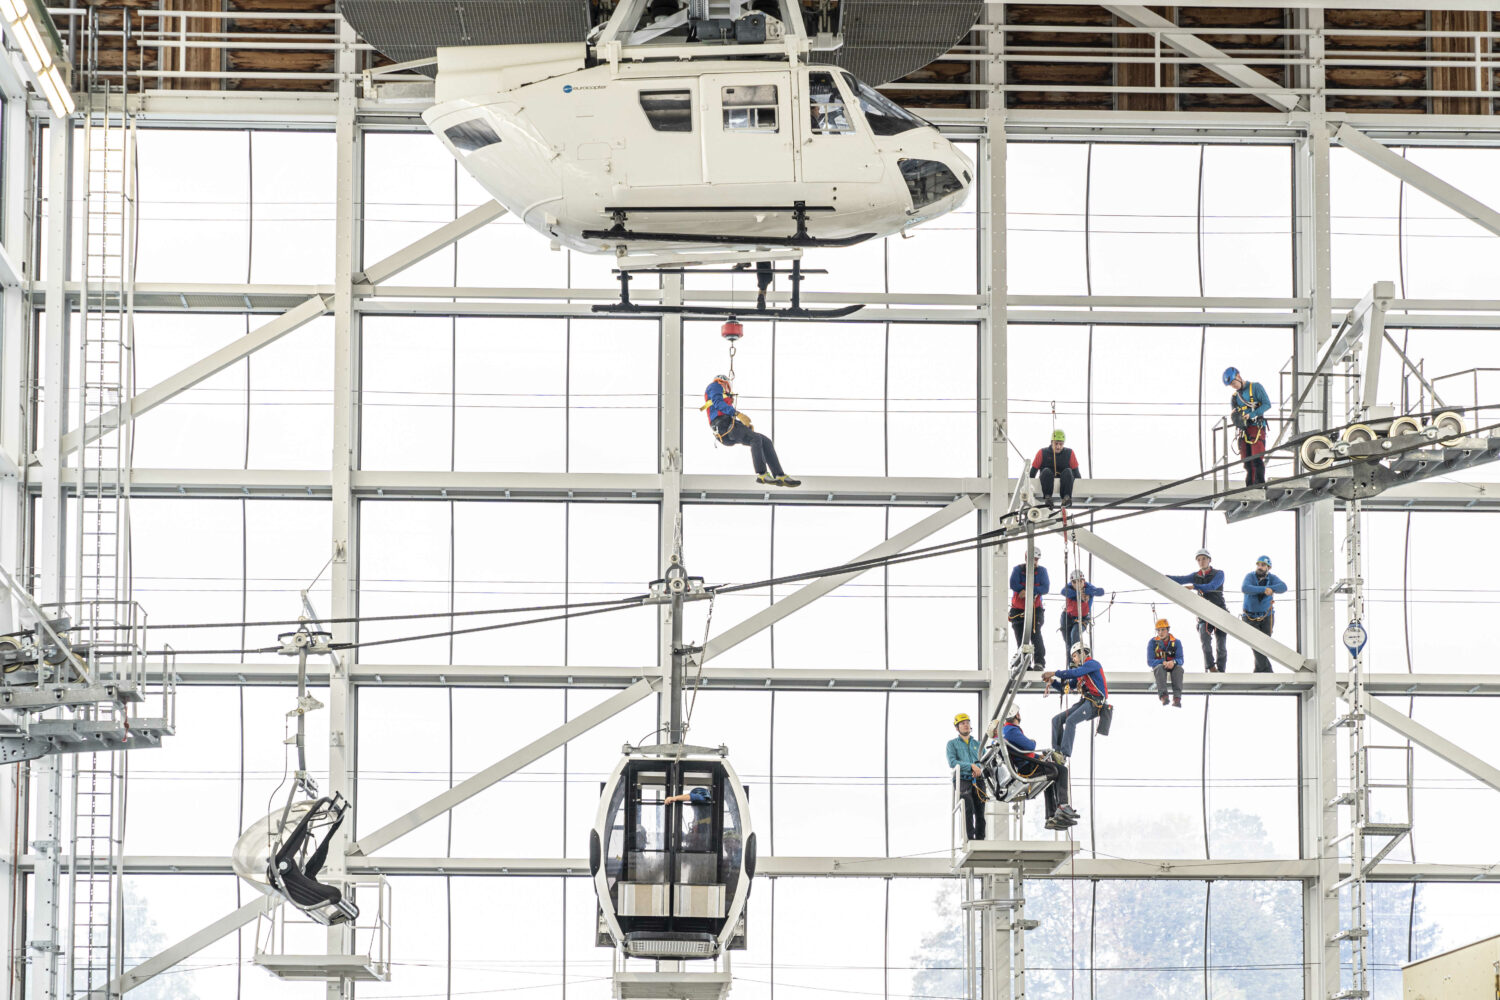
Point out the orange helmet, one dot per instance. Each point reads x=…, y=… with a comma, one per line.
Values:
x=1162, y=623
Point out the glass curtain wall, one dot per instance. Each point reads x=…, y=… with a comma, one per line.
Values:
x=830, y=772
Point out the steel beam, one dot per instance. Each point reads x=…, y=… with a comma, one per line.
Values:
x=190, y=945
x=415, y=253
x=802, y=597
x=1429, y=740
x=470, y=787
x=797, y=866
x=1189, y=599
x=1184, y=41
x=172, y=385
x=1429, y=184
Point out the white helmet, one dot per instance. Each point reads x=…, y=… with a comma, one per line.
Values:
x=1078, y=574
x=1203, y=553
x=1014, y=713
x=1081, y=647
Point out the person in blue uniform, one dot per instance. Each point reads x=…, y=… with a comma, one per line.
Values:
x=1077, y=610
x=1017, y=617
x=731, y=427
x=963, y=753
x=1259, y=608
x=1086, y=676
x=1209, y=585
x=1029, y=762
x=1248, y=408
x=1164, y=657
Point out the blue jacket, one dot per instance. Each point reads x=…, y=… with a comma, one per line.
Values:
x=963, y=753
x=1210, y=587
x=1257, y=602
x=1071, y=593
x=1090, y=678
x=1252, y=401
x=1017, y=739
x=1161, y=652
x=718, y=404
x=1018, y=585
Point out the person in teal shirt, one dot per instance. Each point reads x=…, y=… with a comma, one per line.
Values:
x=963, y=753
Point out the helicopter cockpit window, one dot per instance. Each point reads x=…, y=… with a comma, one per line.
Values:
x=471, y=135
x=826, y=106
x=885, y=116
x=749, y=108
x=668, y=110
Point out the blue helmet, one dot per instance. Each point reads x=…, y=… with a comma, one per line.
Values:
x=1230, y=374
x=1266, y=560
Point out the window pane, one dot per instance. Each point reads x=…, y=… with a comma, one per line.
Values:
x=511, y=381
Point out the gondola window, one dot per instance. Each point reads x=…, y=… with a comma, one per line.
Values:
x=668, y=110
x=750, y=108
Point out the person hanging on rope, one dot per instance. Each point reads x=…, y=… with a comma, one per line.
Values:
x=1030, y=762
x=731, y=427
x=1165, y=658
x=1259, y=609
x=1056, y=463
x=1248, y=408
x=963, y=754
x=1086, y=676
x=1041, y=585
x=1076, y=614
x=1209, y=584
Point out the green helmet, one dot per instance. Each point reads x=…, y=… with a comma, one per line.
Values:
x=1059, y=436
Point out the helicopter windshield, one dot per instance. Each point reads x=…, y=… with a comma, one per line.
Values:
x=885, y=116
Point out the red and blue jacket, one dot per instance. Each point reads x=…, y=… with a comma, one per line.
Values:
x=1039, y=583
x=1057, y=461
x=718, y=402
x=1089, y=593
x=1089, y=677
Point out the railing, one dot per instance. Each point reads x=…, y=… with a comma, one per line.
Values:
x=1438, y=64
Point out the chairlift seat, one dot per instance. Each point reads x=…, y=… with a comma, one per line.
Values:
x=1006, y=783
x=297, y=880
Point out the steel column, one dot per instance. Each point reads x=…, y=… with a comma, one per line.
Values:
x=1316, y=573
x=344, y=570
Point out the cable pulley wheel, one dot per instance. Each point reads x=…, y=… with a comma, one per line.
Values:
x=1403, y=425
x=1448, y=425
x=1359, y=434
x=1317, y=453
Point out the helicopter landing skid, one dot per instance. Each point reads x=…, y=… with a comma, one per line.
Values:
x=764, y=274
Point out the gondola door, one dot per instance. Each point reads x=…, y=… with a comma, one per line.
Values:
x=747, y=128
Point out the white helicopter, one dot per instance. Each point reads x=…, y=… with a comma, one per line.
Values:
x=671, y=133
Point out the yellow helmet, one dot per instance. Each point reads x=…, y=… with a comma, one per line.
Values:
x=961, y=717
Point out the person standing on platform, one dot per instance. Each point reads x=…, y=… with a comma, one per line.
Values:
x=1209, y=585
x=963, y=754
x=1017, y=617
x=1248, y=408
x=1260, y=589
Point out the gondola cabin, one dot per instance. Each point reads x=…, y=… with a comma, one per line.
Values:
x=708, y=151
x=672, y=854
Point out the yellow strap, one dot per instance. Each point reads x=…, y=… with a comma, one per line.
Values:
x=706, y=404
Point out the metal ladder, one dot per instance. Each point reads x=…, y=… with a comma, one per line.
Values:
x=94, y=945
x=1370, y=839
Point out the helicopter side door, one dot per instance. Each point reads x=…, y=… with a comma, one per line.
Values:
x=747, y=127
x=836, y=144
